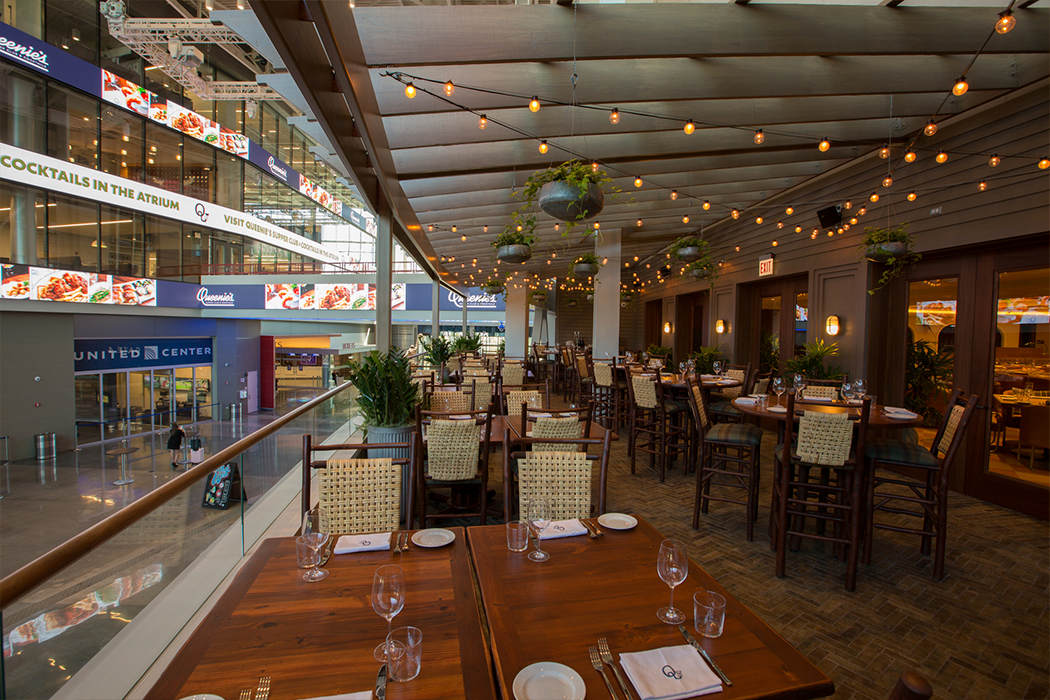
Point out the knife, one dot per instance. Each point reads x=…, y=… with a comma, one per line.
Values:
x=703, y=653
x=380, y=693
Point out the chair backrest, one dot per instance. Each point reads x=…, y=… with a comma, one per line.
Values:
x=604, y=374
x=480, y=393
x=760, y=385
x=450, y=401
x=698, y=406
x=361, y=494
x=643, y=391
x=531, y=398
x=475, y=371
x=741, y=373
x=953, y=426
x=453, y=364
x=562, y=476
x=1035, y=426
x=826, y=439
x=452, y=449
x=513, y=374
x=582, y=366
x=820, y=392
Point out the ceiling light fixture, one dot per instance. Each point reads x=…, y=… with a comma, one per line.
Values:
x=1005, y=22
x=483, y=122
x=410, y=90
x=614, y=116
x=690, y=127
x=994, y=160
x=534, y=104
x=941, y=157
x=930, y=129
x=543, y=146
x=824, y=145
x=637, y=182
x=912, y=196
x=760, y=138
x=707, y=205
x=449, y=88
x=910, y=156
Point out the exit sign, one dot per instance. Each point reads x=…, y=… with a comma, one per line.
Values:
x=765, y=266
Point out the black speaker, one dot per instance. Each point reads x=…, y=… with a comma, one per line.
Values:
x=831, y=216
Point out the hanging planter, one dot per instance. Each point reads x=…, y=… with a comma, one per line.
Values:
x=514, y=253
x=883, y=252
x=572, y=303
x=514, y=246
x=494, y=287
x=565, y=201
x=585, y=265
x=704, y=269
x=892, y=247
x=538, y=297
x=571, y=192
x=689, y=248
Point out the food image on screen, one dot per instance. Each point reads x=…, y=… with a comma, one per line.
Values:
x=282, y=296
x=307, y=298
x=158, y=109
x=232, y=142
x=397, y=297
x=125, y=93
x=935, y=313
x=334, y=296
x=1021, y=310
x=15, y=287
x=132, y=291
x=100, y=289
x=186, y=121
x=211, y=132
x=52, y=285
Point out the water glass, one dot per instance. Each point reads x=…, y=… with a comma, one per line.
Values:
x=709, y=613
x=305, y=555
x=405, y=653
x=762, y=401
x=517, y=535
x=846, y=391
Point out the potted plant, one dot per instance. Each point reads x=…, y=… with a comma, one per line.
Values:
x=572, y=303
x=538, y=297
x=626, y=297
x=586, y=264
x=689, y=248
x=436, y=350
x=660, y=351
x=890, y=246
x=494, y=285
x=705, y=357
x=387, y=398
x=514, y=246
x=811, y=361
x=571, y=192
x=466, y=344
x=927, y=379
x=704, y=269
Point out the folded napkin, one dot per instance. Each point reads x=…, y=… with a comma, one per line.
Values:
x=670, y=673
x=363, y=695
x=708, y=376
x=746, y=400
x=895, y=412
x=362, y=543
x=823, y=399
x=777, y=409
x=563, y=528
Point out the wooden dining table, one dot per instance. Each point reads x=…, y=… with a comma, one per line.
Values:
x=317, y=639
x=878, y=417
x=609, y=587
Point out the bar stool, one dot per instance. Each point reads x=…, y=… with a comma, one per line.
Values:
x=608, y=394
x=722, y=408
x=655, y=429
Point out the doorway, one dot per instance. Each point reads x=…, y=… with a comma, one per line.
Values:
x=654, y=319
x=773, y=319
x=690, y=331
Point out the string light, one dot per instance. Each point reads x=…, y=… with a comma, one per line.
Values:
x=758, y=219
x=674, y=194
x=483, y=122
x=830, y=234
x=534, y=104
x=1044, y=163
x=430, y=228
x=941, y=157
x=774, y=243
x=1005, y=22
x=463, y=237
x=597, y=225
x=760, y=138
x=410, y=90
x=874, y=197
x=594, y=166
x=910, y=156
x=887, y=182
x=862, y=211
x=884, y=152
x=780, y=224
x=994, y=160
x=930, y=129
x=543, y=146
x=789, y=211
x=449, y=88
x=690, y=127
x=798, y=229
x=853, y=221
x=685, y=219
x=614, y=116
x=814, y=234
x=707, y=205
x=637, y=182
x=557, y=227
x=735, y=214
x=737, y=249
x=639, y=224
x=960, y=87
x=519, y=227
x=486, y=229
x=982, y=186
x=453, y=228
x=824, y=145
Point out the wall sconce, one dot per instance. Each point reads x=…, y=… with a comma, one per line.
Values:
x=831, y=325
x=667, y=327
x=720, y=326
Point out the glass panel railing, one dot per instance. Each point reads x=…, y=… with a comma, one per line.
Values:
x=93, y=628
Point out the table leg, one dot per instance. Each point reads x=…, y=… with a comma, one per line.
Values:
x=123, y=480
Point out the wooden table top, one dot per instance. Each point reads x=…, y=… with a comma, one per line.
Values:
x=316, y=639
x=878, y=418
x=608, y=587
x=675, y=381
x=513, y=423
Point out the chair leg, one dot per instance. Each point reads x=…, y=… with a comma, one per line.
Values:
x=927, y=518
x=699, y=486
x=854, y=515
x=782, y=517
x=752, y=495
x=942, y=531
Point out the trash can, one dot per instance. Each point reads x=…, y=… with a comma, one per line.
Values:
x=233, y=411
x=45, y=446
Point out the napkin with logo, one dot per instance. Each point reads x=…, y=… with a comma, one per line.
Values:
x=818, y=399
x=563, y=528
x=746, y=400
x=670, y=673
x=899, y=412
x=363, y=695
x=362, y=543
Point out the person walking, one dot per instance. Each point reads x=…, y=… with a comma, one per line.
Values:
x=175, y=438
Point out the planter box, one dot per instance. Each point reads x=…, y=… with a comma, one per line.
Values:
x=492, y=290
x=562, y=201
x=690, y=254
x=584, y=269
x=514, y=253
x=881, y=252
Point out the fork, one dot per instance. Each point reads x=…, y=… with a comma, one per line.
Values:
x=404, y=542
x=590, y=529
x=246, y=694
x=263, y=691
x=607, y=657
x=597, y=530
x=600, y=668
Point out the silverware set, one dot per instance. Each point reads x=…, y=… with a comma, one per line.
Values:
x=399, y=542
x=261, y=693
x=601, y=657
x=592, y=529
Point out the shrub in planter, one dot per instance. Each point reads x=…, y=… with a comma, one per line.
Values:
x=890, y=246
x=571, y=192
x=586, y=264
x=514, y=246
x=689, y=248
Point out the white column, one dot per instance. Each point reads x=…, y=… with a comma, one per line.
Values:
x=466, y=298
x=384, y=265
x=435, y=310
x=517, y=322
x=606, y=323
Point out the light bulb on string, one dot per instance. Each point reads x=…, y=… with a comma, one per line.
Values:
x=737, y=249
x=463, y=237
x=910, y=156
x=862, y=211
x=887, y=181
x=994, y=160
x=614, y=116
x=874, y=197
x=594, y=166
x=735, y=214
x=941, y=157
x=884, y=152
x=760, y=138
x=519, y=227
x=1005, y=22
x=853, y=221
x=930, y=129
x=557, y=227
x=1044, y=163
x=543, y=146
x=597, y=225
x=637, y=182
x=483, y=122
x=453, y=228
x=674, y=194
x=960, y=87
x=690, y=127
x=824, y=145
x=639, y=225
x=912, y=196
x=410, y=90
x=830, y=234
x=534, y=104
x=813, y=235
x=789, y=211
x=774, y=243
x=780, y=224
x=758, y=219
x=847, y=204
x=449, y=88
x=982, y=185
x=706, y=205
x=486, y=228
x=685, y=219
x=798, y=229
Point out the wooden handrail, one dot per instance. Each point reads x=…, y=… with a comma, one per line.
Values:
x=20, y=582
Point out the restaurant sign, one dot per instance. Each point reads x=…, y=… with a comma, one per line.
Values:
x=100, y=355
x=765, y=265
x=35, y=170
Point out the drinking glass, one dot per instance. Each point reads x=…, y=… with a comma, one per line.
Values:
x=717, y=367
x=798, y=381
x=846, y=391
x=388, y=598
x=682, y=367
x=673, y=566
x=539, y=514
x=779, y=387
x=709, y=613
x=406, y=644
x=860, y=388
x=315, y=541
x=517, y=535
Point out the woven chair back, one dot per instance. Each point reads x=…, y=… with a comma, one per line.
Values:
x=739, y=375
x=360, y=495
x=950, y=429
x=452, y=449
x=821, y=392
x=603, y=374
x=482, y=395
x=475, y=371
x=824, y=438
x=761, y=386
x=701, y=410
x=656, y=362
x=581, y=367
x=514, y=374
x=450, y=401
x=563, y=478
x=453, y=364
x=532, y=398
x=644, y=391
x=421, y=386
x=559, y=428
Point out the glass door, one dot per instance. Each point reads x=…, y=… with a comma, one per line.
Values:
x=114, y=405
x=88, y=408
x=163, y=398
x=929, y=373
x=184, y=393
x=769, y=335
x=141, y=407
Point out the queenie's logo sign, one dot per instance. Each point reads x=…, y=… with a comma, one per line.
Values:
x=277, y=170
x=226, y=299
x=26, y=54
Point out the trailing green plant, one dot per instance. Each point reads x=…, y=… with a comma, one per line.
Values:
x=493, y=282
x=626, y=295
x=688, y=242
x=466, y=343
x=811, y=361
x=436, y=350
x=707, y=266
x=768, y=353
x=927, y=377
x=512, y=236
x=538, y=297
x=577, y=173
x=387, y=396
x=895, y=265
x=587, y=259
x=705, y=357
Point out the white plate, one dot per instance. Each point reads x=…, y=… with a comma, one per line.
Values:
x=777, y=409
x=618, y=521
x=202, y=696
x=434, y=537
x=902, y=416
x=548, y=680
x=755, y=396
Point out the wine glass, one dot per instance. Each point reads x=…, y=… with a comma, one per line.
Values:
x=779, y=387
x=860, y=388
x=717, y=367
x=673, y=566
x=798, y=380
x=388, y=598
x=539, y=516
x=846, y=391
x=682, y=367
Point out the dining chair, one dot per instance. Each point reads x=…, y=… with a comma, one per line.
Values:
x=722, y=408
x=564, y=424
x=584, y=378
x=1034, y=430
x=362, y=494
x=824, y=444
x=456, y=457
x=450, y=401
x=534, y=395
x=569, y=377
x=655, y=426
x=513, y=373
x=608, y=393
x=564, y=477
x=727, y=456
x=924, y=496
x=823, y=388
x=480, y=389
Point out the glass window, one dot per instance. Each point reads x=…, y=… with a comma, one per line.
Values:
x=22, y=238
x=141, y=410
x=198, y=170
x=184, y=395
x=123, y=242
x=252, y=122
x=163, y=248
x=163, y=158
x=268, y=128
x=194, y=250
x=228, y=174
x=86, y=391
x=114, y=405
x=122, y=143
x=73, y=26
x=22, y=109
x=205, y=410
x=163, y=397
x=72, y=126
x=72, y=233
x=284, y=140
x=769, y=341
